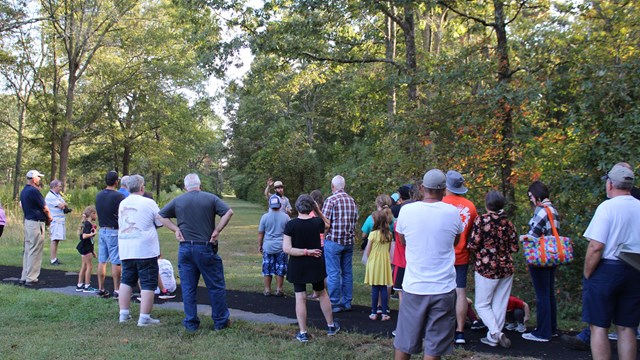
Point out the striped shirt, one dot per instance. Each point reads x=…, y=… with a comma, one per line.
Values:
x=539, y=224
x=342, y=213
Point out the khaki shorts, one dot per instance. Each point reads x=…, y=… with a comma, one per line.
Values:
x=426, y=323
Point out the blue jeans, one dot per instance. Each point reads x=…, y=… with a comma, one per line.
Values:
x=194, y=260
x=546, y=308
x=339, y=273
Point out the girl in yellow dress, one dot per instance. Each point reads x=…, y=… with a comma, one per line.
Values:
x=378, y=270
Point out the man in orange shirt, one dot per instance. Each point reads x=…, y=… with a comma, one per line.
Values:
x=468, y=213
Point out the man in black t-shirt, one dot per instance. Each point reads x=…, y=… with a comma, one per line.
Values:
x=107, y=203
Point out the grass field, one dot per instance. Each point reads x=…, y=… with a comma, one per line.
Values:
x=44, y=325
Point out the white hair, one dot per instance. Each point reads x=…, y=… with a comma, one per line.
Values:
x=124, y=181
x=192, y=181
x=134, y=183
x=338, y=182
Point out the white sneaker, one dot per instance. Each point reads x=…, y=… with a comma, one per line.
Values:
x=521, y=328
x=148, y=321
x=504, y=341
x=530, y=336
x=613, y=336
x=124, y=318
x=490, y=342
x=510, y=326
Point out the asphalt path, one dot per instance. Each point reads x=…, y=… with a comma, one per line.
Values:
x=254, y=306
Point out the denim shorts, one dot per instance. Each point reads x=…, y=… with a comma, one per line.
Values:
x=274, y=264
x=146, y=270
x=108, y=246
x=461, y=276
x=611, y=294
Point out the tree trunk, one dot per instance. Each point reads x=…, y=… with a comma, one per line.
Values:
x=390, y=54
x=65, y=144
x=410, y=43
x=126, y=159
x=505, y=114
x=18, y=164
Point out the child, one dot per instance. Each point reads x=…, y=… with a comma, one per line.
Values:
x=378, y=270
x=517, y=315
x=166, y=279
x=87, y=231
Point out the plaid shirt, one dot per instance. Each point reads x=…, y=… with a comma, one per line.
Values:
x=342, y=213
x=539, y=224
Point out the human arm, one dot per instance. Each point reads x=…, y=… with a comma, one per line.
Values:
x=403, y=241
x=456, y=240
x=595, y=249
x=367, y=250
x=266, y=190
x=317, y=211
x=260, y=240
x=291, y=251
x=171, y=226
x=527, y=312
x=221, y=225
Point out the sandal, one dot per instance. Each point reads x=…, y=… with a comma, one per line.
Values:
x=313, y=296
x=373, y=316
x=385, y=317
x=266, y=293
x=279, y=293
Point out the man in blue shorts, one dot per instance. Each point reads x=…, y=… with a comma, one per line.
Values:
x=197, y=234
x=107, y=203
x=427, y=317
x=610, y=291
x=270, y=236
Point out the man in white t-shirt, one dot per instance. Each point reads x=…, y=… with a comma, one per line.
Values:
x=139, y=249
x=610, y=286
x=57, y=206
x=429, y=297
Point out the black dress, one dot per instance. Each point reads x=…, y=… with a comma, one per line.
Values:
x=85, y=246
x=305, y=234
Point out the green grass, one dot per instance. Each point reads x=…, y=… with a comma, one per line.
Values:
x=43, y=325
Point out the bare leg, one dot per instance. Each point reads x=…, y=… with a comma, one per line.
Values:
x=461, y=308
x=88, y=268
x=325, y=306
x=279, y=283
x=399, y=355
x=301, y=310
x=54, y=249
x=267, y=283
x=82, y=272
x=124, y=299
x=116, y=274
x=102, y=273
x=146, y=305
x=627, y=343
x=600, y=346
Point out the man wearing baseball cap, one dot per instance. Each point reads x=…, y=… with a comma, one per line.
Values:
x=455, y=196
x=610, y=287
x=36, y=216
x=426, y=321
x=270, y=236
x=279, y=187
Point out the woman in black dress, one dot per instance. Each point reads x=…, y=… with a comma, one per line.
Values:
x=306, y=263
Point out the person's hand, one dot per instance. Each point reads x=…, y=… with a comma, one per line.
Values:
x=214, y=236
x=526, y=318
x=314, y=252
x=260, y=249
x=269, y=182
x=179, y=236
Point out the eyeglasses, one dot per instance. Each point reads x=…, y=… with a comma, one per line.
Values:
x=279, y=187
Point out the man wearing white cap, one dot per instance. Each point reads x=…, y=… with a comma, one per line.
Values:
x=610, y=287
x=36, y=215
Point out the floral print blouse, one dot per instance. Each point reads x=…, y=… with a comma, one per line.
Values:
x=493, y=240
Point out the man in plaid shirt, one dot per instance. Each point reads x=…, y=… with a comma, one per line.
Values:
x=342, y=213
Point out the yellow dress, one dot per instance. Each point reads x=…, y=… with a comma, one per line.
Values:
x=378, y=270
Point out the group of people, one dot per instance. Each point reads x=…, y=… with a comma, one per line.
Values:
x=430, y=234
x=128, y=219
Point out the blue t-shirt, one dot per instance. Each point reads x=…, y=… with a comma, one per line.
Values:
x=195, y=212
x=367, y=227
x=32, y=203
x=123, y=191
x=272, y=225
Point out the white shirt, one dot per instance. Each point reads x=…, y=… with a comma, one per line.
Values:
x=53, y=200
x=137, y=235
x=165, y=269
x=616, y=222
x=430, y=230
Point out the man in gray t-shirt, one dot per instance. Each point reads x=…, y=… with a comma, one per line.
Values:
x=197, y=234
x=270, y=235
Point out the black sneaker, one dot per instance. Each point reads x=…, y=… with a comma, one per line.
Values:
x=478, y=325
x=56, y=262
x=166, y=294
x=332, y=330
x=115, y=295
x=103, y=293
x=302, y=337
x=80, y=287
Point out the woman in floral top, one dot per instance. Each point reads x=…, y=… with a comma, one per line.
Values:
x=493, y=240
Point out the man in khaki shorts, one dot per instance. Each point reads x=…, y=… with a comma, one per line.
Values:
x=426, y=321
